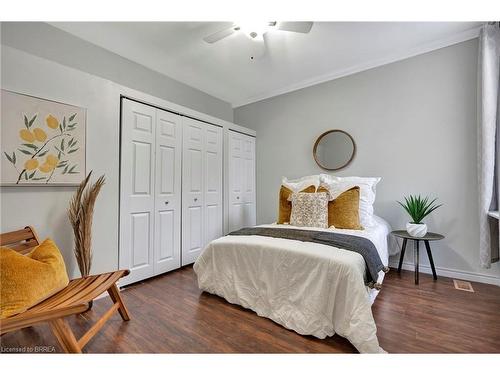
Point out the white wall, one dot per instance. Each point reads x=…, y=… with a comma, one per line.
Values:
x=414, y=123
x=43, y=40
x=45, y=207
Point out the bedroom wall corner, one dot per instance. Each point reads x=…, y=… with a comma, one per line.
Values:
x=414, y=123
x=46, y=41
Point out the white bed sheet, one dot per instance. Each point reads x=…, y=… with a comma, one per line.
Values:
x=310, y=288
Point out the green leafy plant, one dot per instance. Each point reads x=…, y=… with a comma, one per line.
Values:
x=418, y=208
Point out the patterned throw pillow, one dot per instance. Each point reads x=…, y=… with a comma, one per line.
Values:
x=285, y=207
x=309, y=210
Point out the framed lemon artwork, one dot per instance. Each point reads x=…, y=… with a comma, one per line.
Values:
x=43, y=141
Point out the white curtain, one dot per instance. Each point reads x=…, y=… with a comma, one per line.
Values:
x=488, y=141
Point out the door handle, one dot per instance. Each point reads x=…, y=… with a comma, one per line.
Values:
x=196, y=199
x=166, y=202
x=237, y=197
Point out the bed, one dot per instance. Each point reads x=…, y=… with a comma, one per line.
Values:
x=313, y=289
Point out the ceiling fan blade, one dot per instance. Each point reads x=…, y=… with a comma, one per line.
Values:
x=296, y=27
x=221, y=34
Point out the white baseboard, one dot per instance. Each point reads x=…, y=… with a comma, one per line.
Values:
x=449, y=272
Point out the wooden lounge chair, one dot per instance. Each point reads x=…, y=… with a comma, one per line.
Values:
x=74, y=299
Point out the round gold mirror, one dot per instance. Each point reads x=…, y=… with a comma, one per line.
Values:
x=334, y=150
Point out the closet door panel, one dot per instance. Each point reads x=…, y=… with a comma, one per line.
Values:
x=236, y=170
x=192, y=188
x=137, y=190
x=202, y=187
x=249, y=169
x=141, y=246
x=249, y=215
x=168, y=191
x=235, y=163
x=142, y=154
x=167, y=249
x=213, y=226
x=236, y=215
x=194, y=216
x=167, y=159
x=213, y=183
x=241, y=160
x=195, y=165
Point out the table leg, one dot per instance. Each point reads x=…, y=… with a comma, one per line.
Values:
x=415, y=253
x=402, y=255
x=429, y=254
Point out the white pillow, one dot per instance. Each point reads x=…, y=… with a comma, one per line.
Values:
x=299, y=184
x=309, y=210
x=367, y=187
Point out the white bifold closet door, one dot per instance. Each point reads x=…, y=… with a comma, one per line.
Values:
x=241, y=158
x=202, y=209
x=150, y=190
x=168, y=194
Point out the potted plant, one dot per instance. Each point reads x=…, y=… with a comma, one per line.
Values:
x=418, y=208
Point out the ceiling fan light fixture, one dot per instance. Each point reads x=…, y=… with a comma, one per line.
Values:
x=254, y=29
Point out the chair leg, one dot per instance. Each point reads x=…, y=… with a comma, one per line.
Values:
x=115, y=295
x=65, y=336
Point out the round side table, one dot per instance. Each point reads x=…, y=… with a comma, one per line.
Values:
x=416, y=240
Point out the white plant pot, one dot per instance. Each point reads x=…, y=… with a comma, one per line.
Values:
x=416, y=230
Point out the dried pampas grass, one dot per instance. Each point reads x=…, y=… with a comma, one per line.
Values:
x=80, y=213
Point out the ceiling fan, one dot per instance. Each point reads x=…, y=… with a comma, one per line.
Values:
x=256, y=31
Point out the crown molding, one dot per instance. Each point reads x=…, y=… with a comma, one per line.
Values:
x=411, y=52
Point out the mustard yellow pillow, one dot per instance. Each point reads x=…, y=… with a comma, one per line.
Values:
x=285, y=206
x=26, y=280
x=343, y=211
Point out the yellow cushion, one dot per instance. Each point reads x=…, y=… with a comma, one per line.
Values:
x=26, y=280
x=285, y=206
x=343, y=211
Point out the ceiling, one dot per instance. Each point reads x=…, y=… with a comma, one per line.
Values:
x=291, y=61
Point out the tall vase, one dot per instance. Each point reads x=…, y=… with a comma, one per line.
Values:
x=80, y=213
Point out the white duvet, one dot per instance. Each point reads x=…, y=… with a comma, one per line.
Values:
x=310, y=288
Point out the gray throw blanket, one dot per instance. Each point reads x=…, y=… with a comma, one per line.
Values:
x=360, y=245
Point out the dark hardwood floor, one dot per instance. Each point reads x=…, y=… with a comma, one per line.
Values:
x=171, y=315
